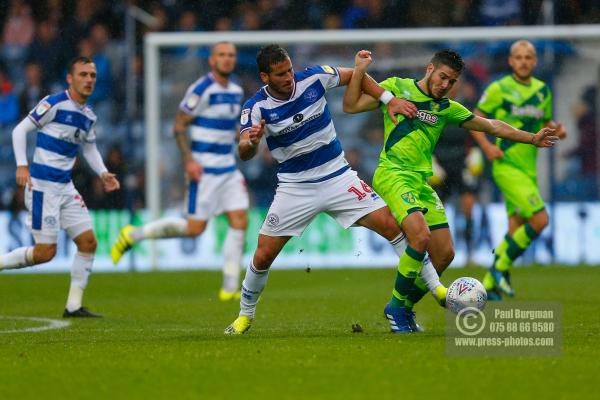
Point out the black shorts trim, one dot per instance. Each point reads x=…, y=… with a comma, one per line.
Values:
x=438, y=226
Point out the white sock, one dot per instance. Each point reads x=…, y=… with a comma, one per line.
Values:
x=430, y=275
x=252, y=287
x=233, y=249
x=428, y=272
x=80, y=272
x=162, y=228
x=399, y=243
x=18, y=258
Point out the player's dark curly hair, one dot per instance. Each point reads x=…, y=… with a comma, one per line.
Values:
x=450, y=58
x=270, y=55
x=79, y=60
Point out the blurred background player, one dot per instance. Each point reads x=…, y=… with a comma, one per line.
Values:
x=314, y=176
x=63, y=122
x=523, y=101
x=405, y=165
x=458, y=165
x=211, y=108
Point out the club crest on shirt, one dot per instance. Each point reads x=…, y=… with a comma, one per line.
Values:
x=272, y=220
x=310, y=95
x=533, y=199
x=50, y=221
x=42, y=108
x=540, y=96
x=244, y=116
x=409, y=197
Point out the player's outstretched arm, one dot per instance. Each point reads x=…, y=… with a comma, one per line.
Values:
x=19, y=139
x=250, y=139
x=491, y=151
x=192, y=168
x=544, y=138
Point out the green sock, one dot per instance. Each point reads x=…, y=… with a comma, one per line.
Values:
x=488, y=281
x=513, y=246
x=410, y=265
x=419, y=290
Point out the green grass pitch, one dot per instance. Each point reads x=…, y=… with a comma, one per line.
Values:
x=162, y=338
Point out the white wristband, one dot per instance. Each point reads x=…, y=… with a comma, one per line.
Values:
x=386, y=97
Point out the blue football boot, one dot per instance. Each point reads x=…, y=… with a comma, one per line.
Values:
x=399, y=319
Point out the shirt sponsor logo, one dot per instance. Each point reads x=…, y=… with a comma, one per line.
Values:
x=298, y=117
x=42, y=108
x=299, y=124
x=427, y=117
x=245, y=116
x=527, y=111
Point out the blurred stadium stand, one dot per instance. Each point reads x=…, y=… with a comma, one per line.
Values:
x=40, y=36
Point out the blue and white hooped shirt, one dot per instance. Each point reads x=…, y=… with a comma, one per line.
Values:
x=63, y=124
x=299, y=131
x=216, y=110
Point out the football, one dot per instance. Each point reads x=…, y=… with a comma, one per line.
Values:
x=465, y=292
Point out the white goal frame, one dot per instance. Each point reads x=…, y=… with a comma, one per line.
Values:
x=153, y=42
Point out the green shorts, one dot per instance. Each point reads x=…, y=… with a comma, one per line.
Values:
x=408, y=191
x=520, y=190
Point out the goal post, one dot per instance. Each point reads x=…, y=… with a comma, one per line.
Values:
x=154, y=43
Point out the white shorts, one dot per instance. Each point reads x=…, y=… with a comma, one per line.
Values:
x=216, y=194
x=51, y=212
x=345, y=198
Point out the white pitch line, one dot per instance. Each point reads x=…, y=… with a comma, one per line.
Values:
x=52, y=324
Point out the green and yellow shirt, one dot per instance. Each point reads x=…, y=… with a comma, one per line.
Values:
x=410, y=144
x=527, y=107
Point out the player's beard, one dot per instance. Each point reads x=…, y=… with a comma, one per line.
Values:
x=224, y=74
x=523, y=77
x=429, y=88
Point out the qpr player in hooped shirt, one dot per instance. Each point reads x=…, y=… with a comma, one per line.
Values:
x=63, y=123
x=292, y=113
x=210, y=112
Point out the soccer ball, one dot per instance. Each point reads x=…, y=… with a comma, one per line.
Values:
x=465, y=292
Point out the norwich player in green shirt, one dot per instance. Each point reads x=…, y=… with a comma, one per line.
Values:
x=525, y=102
x=405, y=165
